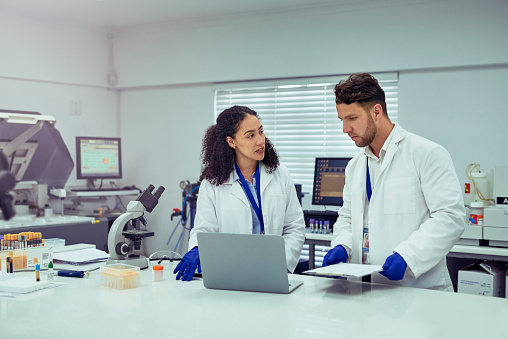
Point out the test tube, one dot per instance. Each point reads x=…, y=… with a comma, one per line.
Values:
x=37, y=272
x=3, y=257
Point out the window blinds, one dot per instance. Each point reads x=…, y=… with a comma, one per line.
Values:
x=300, y=118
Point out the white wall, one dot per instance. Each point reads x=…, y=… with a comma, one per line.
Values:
x=464, y=110
x=39, y=50
x=329, y=40
x=161, y=134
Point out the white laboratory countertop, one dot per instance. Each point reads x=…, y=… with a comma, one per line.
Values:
x=320, y=308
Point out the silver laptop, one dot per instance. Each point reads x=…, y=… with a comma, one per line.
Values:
x=244, y=262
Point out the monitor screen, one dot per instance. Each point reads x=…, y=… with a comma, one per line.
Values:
x=329, y=180
x=98, y=158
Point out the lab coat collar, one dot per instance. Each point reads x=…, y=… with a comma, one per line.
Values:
x=236, y=187
x=398, y=134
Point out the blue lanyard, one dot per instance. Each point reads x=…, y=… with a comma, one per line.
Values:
x=246, y=188
x=369, y=186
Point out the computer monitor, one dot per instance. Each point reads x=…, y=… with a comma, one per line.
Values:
x=98, y=158
x=329, y=180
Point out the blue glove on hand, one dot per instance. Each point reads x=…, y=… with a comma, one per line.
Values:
x=394, y=267
x=335, y=255
x=187, y=266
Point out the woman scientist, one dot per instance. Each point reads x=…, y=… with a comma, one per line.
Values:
x=241, y=167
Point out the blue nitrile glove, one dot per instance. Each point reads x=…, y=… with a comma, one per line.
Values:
x=187, y=266
x=335, y=255
x=394, y=267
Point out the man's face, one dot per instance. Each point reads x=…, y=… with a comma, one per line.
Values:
x=357, y=123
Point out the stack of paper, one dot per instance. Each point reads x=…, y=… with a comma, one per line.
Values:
x=345, y=270
x=79, y=257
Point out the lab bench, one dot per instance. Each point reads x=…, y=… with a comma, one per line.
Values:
x=320, y=308
x=74, y=229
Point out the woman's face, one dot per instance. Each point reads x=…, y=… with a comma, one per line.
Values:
x=249, y=140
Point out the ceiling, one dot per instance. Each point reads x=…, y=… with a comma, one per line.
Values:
x=129, y=13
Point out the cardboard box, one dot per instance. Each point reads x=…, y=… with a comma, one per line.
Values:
x=487, y=279
x=41, y=255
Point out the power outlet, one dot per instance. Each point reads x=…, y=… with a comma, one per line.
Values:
x=75, y=107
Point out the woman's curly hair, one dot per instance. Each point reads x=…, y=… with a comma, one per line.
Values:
x=218, y=157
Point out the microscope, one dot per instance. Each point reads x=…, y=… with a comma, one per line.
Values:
x=126, y=233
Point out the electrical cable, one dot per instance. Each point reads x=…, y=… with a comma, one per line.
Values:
x=171, y=236
x=179, y=238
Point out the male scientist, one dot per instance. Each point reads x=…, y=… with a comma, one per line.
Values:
x=403, y=206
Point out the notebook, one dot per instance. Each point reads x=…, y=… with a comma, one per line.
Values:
x=244, y=262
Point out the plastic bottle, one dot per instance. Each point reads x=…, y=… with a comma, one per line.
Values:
x=476, y=215
x=51, y=272
x=158, y=273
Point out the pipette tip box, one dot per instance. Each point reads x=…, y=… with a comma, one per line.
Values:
x=120, y=276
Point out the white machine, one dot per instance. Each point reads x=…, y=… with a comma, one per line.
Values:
x=126, y=233
x=486, y=196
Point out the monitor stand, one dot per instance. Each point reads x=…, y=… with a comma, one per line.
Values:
x=90, y=184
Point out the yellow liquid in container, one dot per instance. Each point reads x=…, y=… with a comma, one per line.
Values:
x=120, y=276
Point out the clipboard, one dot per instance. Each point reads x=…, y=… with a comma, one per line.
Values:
x=345, y=270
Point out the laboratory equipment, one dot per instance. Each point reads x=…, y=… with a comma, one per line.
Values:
x=37, y=157
x=329, y=180
x=38, y=272
x=158, y=273
x=98, y=158
x=476, y=215
x=7, y=183
x=488, y=204
x=72, y=274
x=479, y=188
x=126, y=234
x=49, y=162
x=501, y=185
x=189, y=196
x=51, y=272
x=120, y=276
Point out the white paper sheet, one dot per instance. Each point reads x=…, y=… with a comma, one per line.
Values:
x=345, y=270
x=81, y=257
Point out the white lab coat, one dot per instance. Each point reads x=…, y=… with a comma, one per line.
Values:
x=416, y=209
x=227, y=209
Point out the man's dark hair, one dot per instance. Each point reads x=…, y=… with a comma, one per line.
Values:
x=362, y=88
